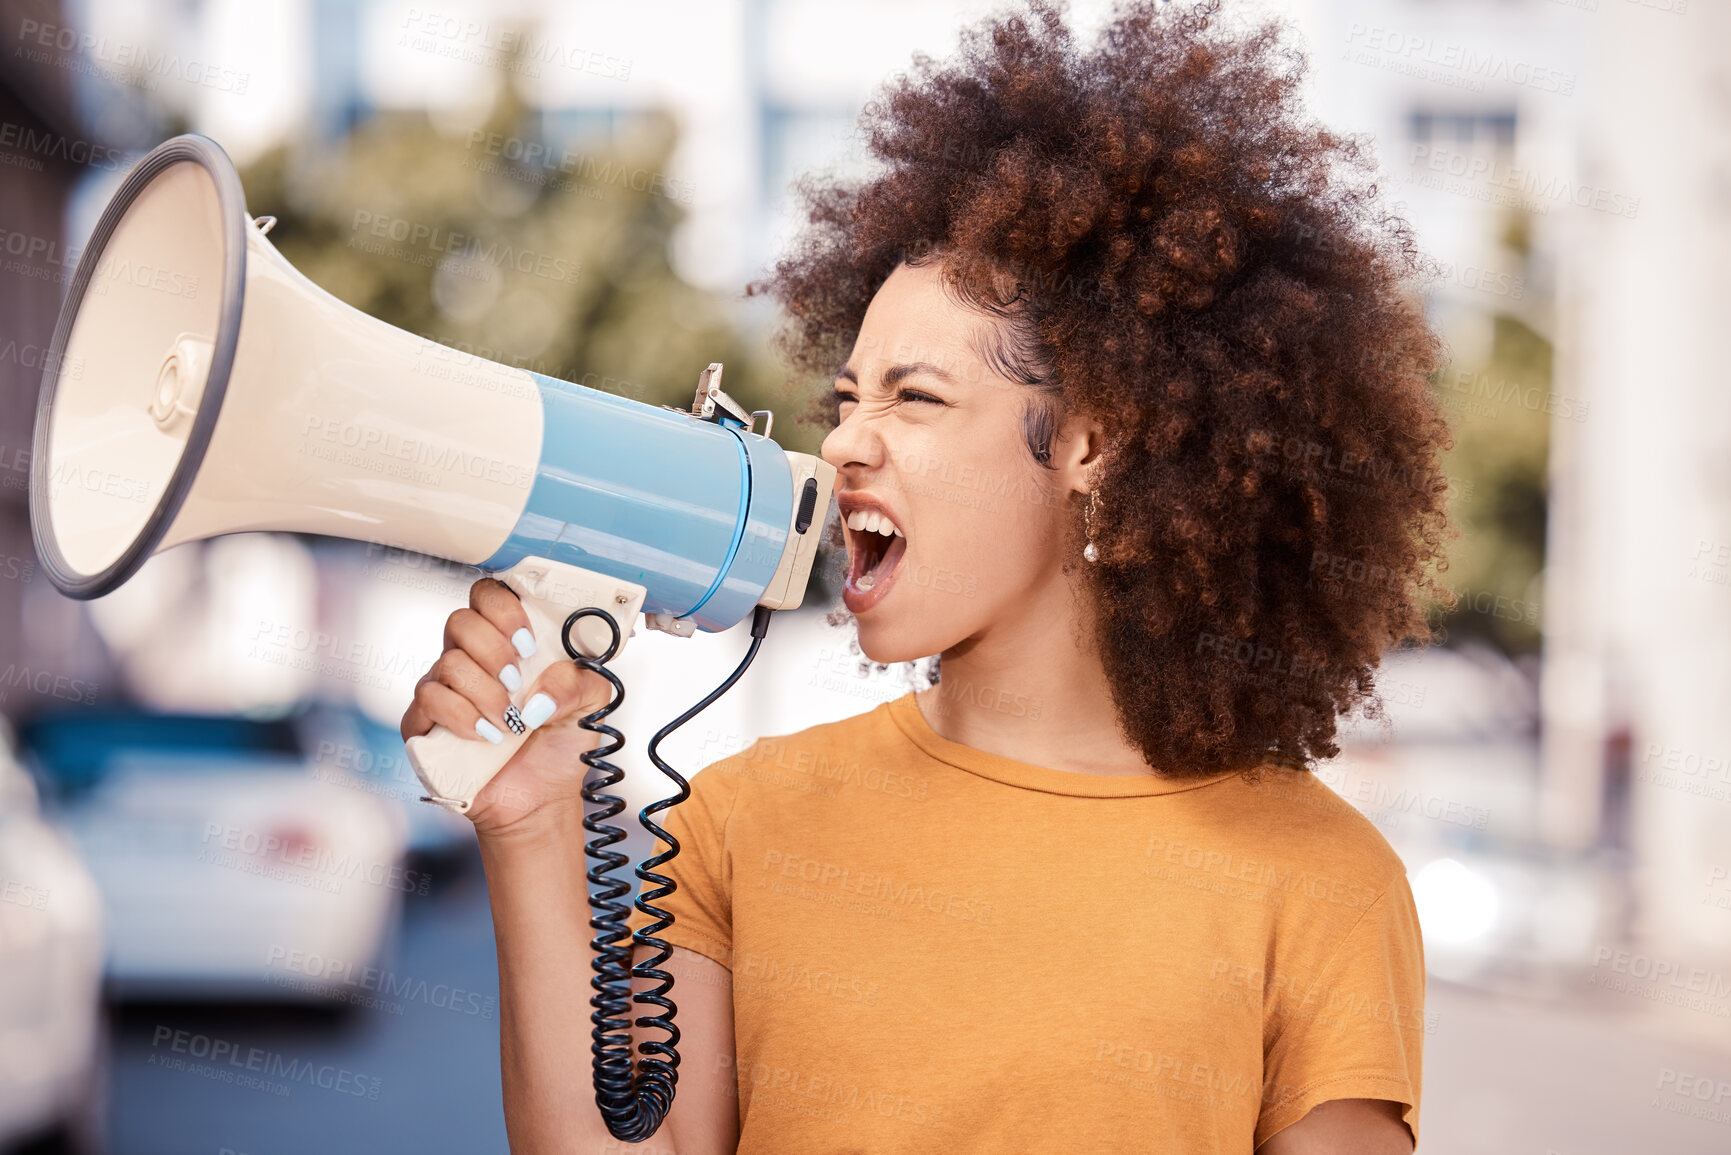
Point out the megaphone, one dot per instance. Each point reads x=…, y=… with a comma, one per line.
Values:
x=198, y=385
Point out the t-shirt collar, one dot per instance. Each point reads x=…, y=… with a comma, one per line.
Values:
x=905, y=712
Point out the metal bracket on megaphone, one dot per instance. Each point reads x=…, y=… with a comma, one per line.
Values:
x=712, y=404
x=454, y=768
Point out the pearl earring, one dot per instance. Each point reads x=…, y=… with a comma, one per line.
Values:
x=1091, y=551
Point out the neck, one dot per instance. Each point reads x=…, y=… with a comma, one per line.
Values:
x=1032, y=689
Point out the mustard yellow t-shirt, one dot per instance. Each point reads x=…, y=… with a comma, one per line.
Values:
x=935, y=948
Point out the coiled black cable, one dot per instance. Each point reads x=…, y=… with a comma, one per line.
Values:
x=633, y=1098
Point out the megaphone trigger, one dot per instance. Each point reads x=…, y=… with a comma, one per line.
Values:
x=453, y=768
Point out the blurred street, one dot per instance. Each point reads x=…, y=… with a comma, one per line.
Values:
x=433, y=1054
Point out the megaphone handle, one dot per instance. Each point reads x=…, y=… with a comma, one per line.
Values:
x=454, y=768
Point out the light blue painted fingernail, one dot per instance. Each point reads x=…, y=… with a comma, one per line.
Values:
x=512, y=677
x=524, y=641
x=488, y=731
x=537, y=710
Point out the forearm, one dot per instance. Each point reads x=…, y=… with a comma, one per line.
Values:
x=535, y=881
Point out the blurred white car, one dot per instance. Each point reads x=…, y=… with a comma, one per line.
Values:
x=219, y=855
x=358, y=752
x=51, y=1057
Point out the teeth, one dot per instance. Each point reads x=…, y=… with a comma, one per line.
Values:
x=865, y=582
x=873, y=522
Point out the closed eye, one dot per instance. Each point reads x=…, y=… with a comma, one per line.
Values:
x=901, y=395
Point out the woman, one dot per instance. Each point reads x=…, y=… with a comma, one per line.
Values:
x=1131, y=423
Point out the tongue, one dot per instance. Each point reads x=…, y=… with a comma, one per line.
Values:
x=886, y=561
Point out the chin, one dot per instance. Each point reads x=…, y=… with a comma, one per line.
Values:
x=883, y=638
x=896, y=624
x=912, y=623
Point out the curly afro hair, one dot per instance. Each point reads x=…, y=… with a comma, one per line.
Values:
x=1174, y=247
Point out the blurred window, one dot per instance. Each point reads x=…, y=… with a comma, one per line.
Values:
x=1494, y=126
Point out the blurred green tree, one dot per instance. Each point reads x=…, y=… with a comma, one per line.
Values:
x=1501, y=413
x=492, y=240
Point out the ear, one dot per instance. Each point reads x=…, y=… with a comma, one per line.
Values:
x=1076, y=450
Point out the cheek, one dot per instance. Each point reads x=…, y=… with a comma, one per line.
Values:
x=984, y=524
x=982, y=543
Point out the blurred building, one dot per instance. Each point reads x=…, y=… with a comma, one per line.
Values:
x=1568, y=112
x=51, y=143
x=1638, y=686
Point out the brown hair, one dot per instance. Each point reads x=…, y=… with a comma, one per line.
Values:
x=1211, y=273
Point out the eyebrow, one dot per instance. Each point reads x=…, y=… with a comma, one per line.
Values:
x=895, y=373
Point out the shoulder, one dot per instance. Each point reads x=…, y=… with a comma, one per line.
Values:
x=1296, y=819
x=866, y=726
x=820, y=753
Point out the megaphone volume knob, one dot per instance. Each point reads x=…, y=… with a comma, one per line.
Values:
x=807, y=506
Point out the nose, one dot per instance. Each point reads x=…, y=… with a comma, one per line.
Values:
x=854, y=445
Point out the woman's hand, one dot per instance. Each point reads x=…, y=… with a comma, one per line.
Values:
x=468, y=690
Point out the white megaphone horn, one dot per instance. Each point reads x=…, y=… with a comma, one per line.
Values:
x=198, y=385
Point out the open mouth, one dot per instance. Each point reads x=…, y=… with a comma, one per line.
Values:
x=877, y=547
